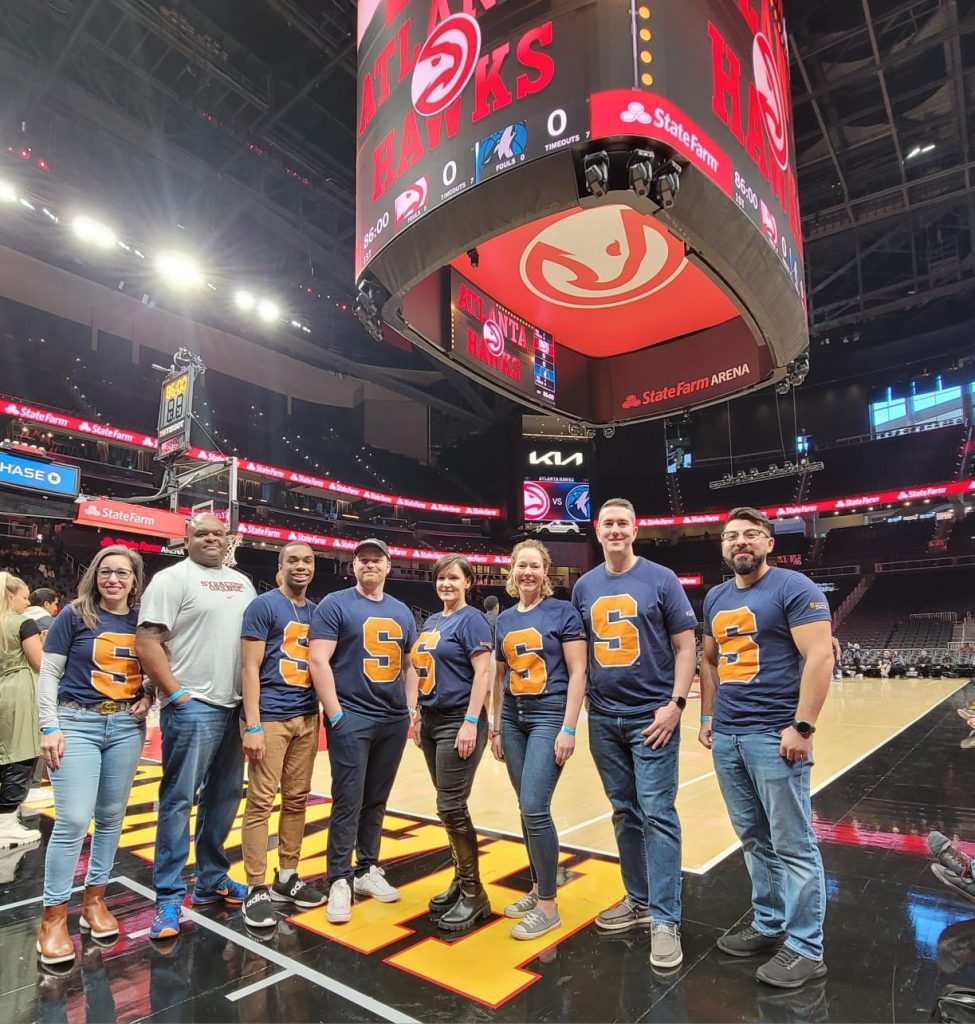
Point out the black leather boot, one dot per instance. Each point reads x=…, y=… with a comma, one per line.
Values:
x=472, y=905
x=443, y=901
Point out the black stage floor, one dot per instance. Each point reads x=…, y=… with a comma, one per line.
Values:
x=894, y=936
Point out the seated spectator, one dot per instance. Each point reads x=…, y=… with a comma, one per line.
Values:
x=44, y=604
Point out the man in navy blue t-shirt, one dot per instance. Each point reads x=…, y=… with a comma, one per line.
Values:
x=279, y=725
x=641, y=663
x=361, y=640
x=768, y=657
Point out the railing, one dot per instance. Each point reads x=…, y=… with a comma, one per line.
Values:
x=947, y=562
x=827, y=572
x=941, y=616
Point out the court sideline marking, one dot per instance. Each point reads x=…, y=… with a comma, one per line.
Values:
x=287, y=963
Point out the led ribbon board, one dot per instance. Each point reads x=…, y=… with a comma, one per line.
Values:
x=617, y=181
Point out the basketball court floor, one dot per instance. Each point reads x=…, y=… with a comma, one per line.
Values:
x=889, y=769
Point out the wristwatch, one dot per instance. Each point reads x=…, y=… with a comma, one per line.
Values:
x=805, y=729
x=681, y=702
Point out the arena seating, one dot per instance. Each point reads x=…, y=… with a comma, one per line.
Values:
x=879, y=542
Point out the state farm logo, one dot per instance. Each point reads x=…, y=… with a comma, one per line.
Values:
x=772, y=99
x=600, y=258
x=536, y=502
x=493, y=338
x=445, y=64
x=411, y=200
x=93, y=510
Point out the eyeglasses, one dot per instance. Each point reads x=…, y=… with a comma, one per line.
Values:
x=120, y=574
x=730, y=536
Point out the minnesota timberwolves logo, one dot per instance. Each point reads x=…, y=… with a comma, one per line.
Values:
x=502, y=150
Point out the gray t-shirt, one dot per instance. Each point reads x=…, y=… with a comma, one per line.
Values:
x=202, y=610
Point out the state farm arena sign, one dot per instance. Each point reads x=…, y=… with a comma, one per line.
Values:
x=477, y=122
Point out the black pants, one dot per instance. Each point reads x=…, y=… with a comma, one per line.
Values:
x=15, y=782
x=364, y=754
x=453, y=775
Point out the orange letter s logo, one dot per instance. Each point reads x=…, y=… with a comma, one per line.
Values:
x=382, y=640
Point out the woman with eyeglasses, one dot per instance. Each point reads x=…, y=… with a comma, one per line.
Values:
x=20, y=657
x=92, y=707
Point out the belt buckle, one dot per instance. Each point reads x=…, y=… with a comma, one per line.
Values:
x=108, y=707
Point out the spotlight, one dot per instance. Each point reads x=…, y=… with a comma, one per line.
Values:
x=268, y=311
x=609, y=432
x=179, y=270
x=667, y=184
x=475, y=257
x=7, y=193
x=244, y=300
x=640, y=170
x=596, y=169
x=91, y=232
x=783, y=387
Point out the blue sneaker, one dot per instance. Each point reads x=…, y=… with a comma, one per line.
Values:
x=165, y=923
x=228, y=891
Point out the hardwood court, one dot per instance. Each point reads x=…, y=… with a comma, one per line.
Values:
x=859, y=717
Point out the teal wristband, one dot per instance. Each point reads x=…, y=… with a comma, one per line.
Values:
x=706, y=718
x=48, y=729
x=335, y=718
x=571, y=732
x=181, y=692
x=253, y=728
x=471, y=718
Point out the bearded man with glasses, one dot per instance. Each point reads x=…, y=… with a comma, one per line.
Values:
x=765, y=673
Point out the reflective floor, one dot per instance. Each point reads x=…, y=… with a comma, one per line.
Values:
x=894, y=936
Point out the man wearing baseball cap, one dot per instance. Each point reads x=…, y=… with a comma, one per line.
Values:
x=360, y=642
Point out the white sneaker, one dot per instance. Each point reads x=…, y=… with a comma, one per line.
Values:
x=13, y=833
x=339, y=902
x=374, y=884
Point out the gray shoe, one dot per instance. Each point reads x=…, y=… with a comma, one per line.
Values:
x=749, y=941
x=665, y=950
x=623, y=916
x=522, y=906
x=788, y=969
x=534, y=924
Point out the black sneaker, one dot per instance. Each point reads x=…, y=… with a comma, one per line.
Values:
x=257, y=909
x=748, y=941
x=295, y=891
x=789, y=969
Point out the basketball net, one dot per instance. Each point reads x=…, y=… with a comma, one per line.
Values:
x=230, y=558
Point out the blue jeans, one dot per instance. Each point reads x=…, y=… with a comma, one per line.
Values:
x=201, y=751
x=363, y=754
x=642, y=786
x=529, y=726
x=101, y=754
x=768, y=801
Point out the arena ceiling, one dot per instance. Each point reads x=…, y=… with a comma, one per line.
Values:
x=235, y=119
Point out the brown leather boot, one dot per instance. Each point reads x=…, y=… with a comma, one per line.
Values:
x=53, y=941
x=95, y=916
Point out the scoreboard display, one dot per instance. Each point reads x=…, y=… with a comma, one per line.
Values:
x=175, y=413
x=556, y=484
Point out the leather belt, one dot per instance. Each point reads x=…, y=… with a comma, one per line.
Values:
x=105, y=707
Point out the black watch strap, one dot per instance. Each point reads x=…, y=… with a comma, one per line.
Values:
x=803, y=728
x=681, y=702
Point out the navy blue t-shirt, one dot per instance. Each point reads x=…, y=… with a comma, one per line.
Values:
x=442, y=657
x=101, y=662
x=630, y=618
x=372, y=638
x=759, y=665
x=530, y=644
x=286, y=690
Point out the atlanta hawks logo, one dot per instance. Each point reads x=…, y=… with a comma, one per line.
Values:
x=494, y=338
x=772, y=99
x=445, y=64
x=537, y=503
x=599, y=258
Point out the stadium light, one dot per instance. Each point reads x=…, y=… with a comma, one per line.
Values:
x=244, y=300
x=7, y=193
x=93, y=233
x=268, y=311
x=179, y=270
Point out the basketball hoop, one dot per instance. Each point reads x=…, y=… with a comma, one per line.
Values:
x=230, y=559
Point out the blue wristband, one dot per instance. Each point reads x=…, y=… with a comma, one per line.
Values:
x=181, y=692
x=571, y=732
x=250, y=730
x=471, y=718
x=706, y=718
x=335, y=718
x=48, y=729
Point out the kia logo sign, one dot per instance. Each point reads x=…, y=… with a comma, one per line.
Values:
x=599, y=258
x=555, y=459
x=445, y=64
x=772, y=99
x=536, y=502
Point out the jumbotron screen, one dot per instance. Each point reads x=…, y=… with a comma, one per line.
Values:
x=556, y=486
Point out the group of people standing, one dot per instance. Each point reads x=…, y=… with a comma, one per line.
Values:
x=240, y=674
